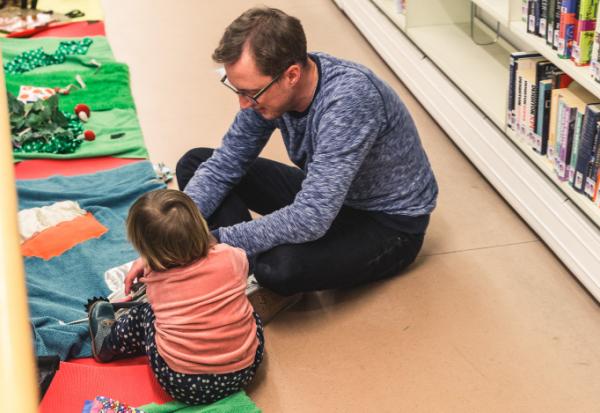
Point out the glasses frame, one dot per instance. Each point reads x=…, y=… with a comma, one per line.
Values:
x=252, y=99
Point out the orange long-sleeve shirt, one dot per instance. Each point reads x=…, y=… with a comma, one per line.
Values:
x=204, y=321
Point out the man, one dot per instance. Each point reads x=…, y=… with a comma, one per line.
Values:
x=356, y=207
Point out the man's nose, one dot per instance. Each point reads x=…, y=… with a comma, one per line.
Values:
x=245, y=103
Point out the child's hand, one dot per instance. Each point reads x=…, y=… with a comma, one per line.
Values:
x=136, y=271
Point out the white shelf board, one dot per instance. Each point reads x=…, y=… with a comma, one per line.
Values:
x=390, y=10
x=498, y=9
x=544, y=165
x=581, y=74
x=481, y=72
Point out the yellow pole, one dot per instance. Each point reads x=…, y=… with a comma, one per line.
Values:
x=18, y=383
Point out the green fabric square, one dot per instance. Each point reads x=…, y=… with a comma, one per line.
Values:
x=236, y=403
x=99, y=50
x=107, y=88
x=104, y=124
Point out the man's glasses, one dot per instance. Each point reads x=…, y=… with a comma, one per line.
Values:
x=252, y=99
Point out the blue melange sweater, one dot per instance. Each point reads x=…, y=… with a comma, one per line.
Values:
x=357, y=145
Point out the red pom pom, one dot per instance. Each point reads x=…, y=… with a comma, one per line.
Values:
x=82, y=111
x=82, y=107
x=89, y=135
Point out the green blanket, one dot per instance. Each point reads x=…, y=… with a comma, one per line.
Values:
x=104, y=124
x=106, y=88
x=236, y=403
x=99, y=50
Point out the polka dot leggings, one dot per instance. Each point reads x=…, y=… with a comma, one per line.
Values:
x=133, y=334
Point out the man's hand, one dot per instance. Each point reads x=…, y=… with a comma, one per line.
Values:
x=136, y=271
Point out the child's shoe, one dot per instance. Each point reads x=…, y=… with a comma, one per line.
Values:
x=101, y=316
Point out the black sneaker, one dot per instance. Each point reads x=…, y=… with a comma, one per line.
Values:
x=266, y=302
x=101, y=317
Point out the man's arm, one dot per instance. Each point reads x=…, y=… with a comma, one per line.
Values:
x=347, y=130
x=241, y=145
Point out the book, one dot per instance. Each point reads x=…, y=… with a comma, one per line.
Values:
x=533, y=16
x=550, y=11
x=591, y=179
x=564, y=137
x=543, y=115
x=567, y=27
x=543, y=13
x=557, y=13
x=571, y=160
x=513, y=87
x=552, y=125
x=586, y=25
x=586, y=145
x=595, y=57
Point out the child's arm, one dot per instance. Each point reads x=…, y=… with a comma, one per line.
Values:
x=136, y=271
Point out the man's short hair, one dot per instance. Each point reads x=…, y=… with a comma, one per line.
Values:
x=276, y=40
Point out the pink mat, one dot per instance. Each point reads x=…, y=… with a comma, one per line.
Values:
x=43, y=168
x=77, y=29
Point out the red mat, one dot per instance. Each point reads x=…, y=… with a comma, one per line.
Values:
x=77, y=29
x=81, y=380
x=43, y=168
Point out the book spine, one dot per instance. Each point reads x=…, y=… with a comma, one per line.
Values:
x=557, y=14
x=544, y=95
x=550, y=11
x=595, y=170
x=552, y=125
x=586, y=26
x=531, y=113
x=510, y=112
x=572, y=160
x=543, y=26
x=560, y=119
x=567, y=127
x=519, y=103
x=585, y=148
x=568, y=27
x=532, y=22
x=595, y=57
x=524, y=118
x=591, y=172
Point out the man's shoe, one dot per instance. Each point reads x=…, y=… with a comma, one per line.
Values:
x=267, y=303
x=101, y=317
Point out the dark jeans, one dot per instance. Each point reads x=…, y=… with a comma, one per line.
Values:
x=355, y=250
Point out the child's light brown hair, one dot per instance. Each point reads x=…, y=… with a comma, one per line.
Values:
x=167, y=229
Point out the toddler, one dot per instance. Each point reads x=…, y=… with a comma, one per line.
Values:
x=198, y=329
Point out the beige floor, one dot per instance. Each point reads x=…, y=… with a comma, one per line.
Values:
x=487, y=320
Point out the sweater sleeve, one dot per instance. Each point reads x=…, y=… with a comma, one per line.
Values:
x=348, y=124
x=241, y=145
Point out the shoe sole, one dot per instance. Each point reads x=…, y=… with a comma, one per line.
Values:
x=94, y=352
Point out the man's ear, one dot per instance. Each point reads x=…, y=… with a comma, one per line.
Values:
x=292, y=74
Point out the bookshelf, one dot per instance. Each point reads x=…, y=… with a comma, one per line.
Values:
x=464, y=86
x=480, y=71
x=581, y=74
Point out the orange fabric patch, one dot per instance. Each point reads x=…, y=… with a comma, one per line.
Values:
x=54, y=241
